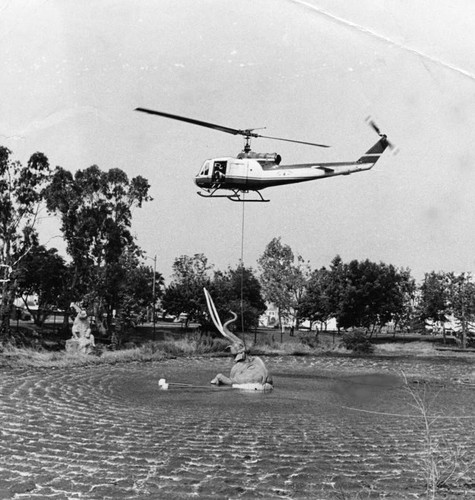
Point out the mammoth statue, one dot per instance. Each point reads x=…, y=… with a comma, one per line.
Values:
x=82, y=339
x=248, y=372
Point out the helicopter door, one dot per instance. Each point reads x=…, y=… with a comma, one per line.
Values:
x=219, y=170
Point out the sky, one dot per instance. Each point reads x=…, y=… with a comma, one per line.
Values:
x=72, y=73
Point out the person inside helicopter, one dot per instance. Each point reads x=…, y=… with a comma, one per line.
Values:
x=218, y=173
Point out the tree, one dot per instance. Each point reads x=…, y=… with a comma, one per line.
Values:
x=434, y=301
x=95, y=208
x=240, y=291
x=368, y=295
x=21, y=195
x=44, y=274
x=246, y=290
x=280, y=279
x=132, y=292
x=316, y=304
x=185, y=293
x=337, y=289
x=461, y=290
x=299, y=278
x=402, y=307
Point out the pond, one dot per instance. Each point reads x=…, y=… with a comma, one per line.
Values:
x=334, y=427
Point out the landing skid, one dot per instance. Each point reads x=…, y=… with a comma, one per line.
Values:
x=236, y=196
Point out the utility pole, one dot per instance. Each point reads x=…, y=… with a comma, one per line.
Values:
x=463, y=290
x=154, y=284
x=153, y=292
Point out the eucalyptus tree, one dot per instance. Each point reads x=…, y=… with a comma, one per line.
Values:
x=21, y=196
x=95, y=209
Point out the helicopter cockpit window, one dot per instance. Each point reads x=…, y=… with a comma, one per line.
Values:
x=205, y=169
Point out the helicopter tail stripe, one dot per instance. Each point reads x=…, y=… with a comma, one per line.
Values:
x=369, y=159
x=373, y=154
x=379, y=147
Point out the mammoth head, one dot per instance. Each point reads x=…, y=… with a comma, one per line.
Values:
x=237, y=345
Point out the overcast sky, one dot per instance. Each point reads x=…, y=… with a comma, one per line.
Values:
x=71, y=74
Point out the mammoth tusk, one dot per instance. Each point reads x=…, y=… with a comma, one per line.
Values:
x=229, y=334
x=232, y=320
x=213, y=313
x=217, y=322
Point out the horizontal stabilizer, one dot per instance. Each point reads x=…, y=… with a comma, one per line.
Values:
x=327, y=170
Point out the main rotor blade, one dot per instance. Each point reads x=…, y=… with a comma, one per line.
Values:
x=291, y=140
x=228, y=130
x=196, y=122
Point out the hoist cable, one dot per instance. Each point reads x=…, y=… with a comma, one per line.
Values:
x=242, y=265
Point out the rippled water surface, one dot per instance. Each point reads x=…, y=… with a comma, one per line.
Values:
x=333, y=428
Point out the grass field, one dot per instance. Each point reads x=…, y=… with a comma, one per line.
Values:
x=165, y=340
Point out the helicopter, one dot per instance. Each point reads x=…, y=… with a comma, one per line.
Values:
x=251, y=172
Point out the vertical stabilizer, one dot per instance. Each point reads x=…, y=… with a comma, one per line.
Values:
x=374, y=153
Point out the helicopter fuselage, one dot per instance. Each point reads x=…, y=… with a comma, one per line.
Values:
x=251, y=171
x=252, y=174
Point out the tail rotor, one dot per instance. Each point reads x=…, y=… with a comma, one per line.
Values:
x=373, y=125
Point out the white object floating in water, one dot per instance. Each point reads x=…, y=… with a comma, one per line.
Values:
x=253, y=387
x=162, y=383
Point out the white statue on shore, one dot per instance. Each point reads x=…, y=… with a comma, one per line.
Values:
x=82, y=331
x=248, y=372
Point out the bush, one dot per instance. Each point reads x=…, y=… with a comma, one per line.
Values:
x=309, y=339
x=187, y=347
x=357, y=341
